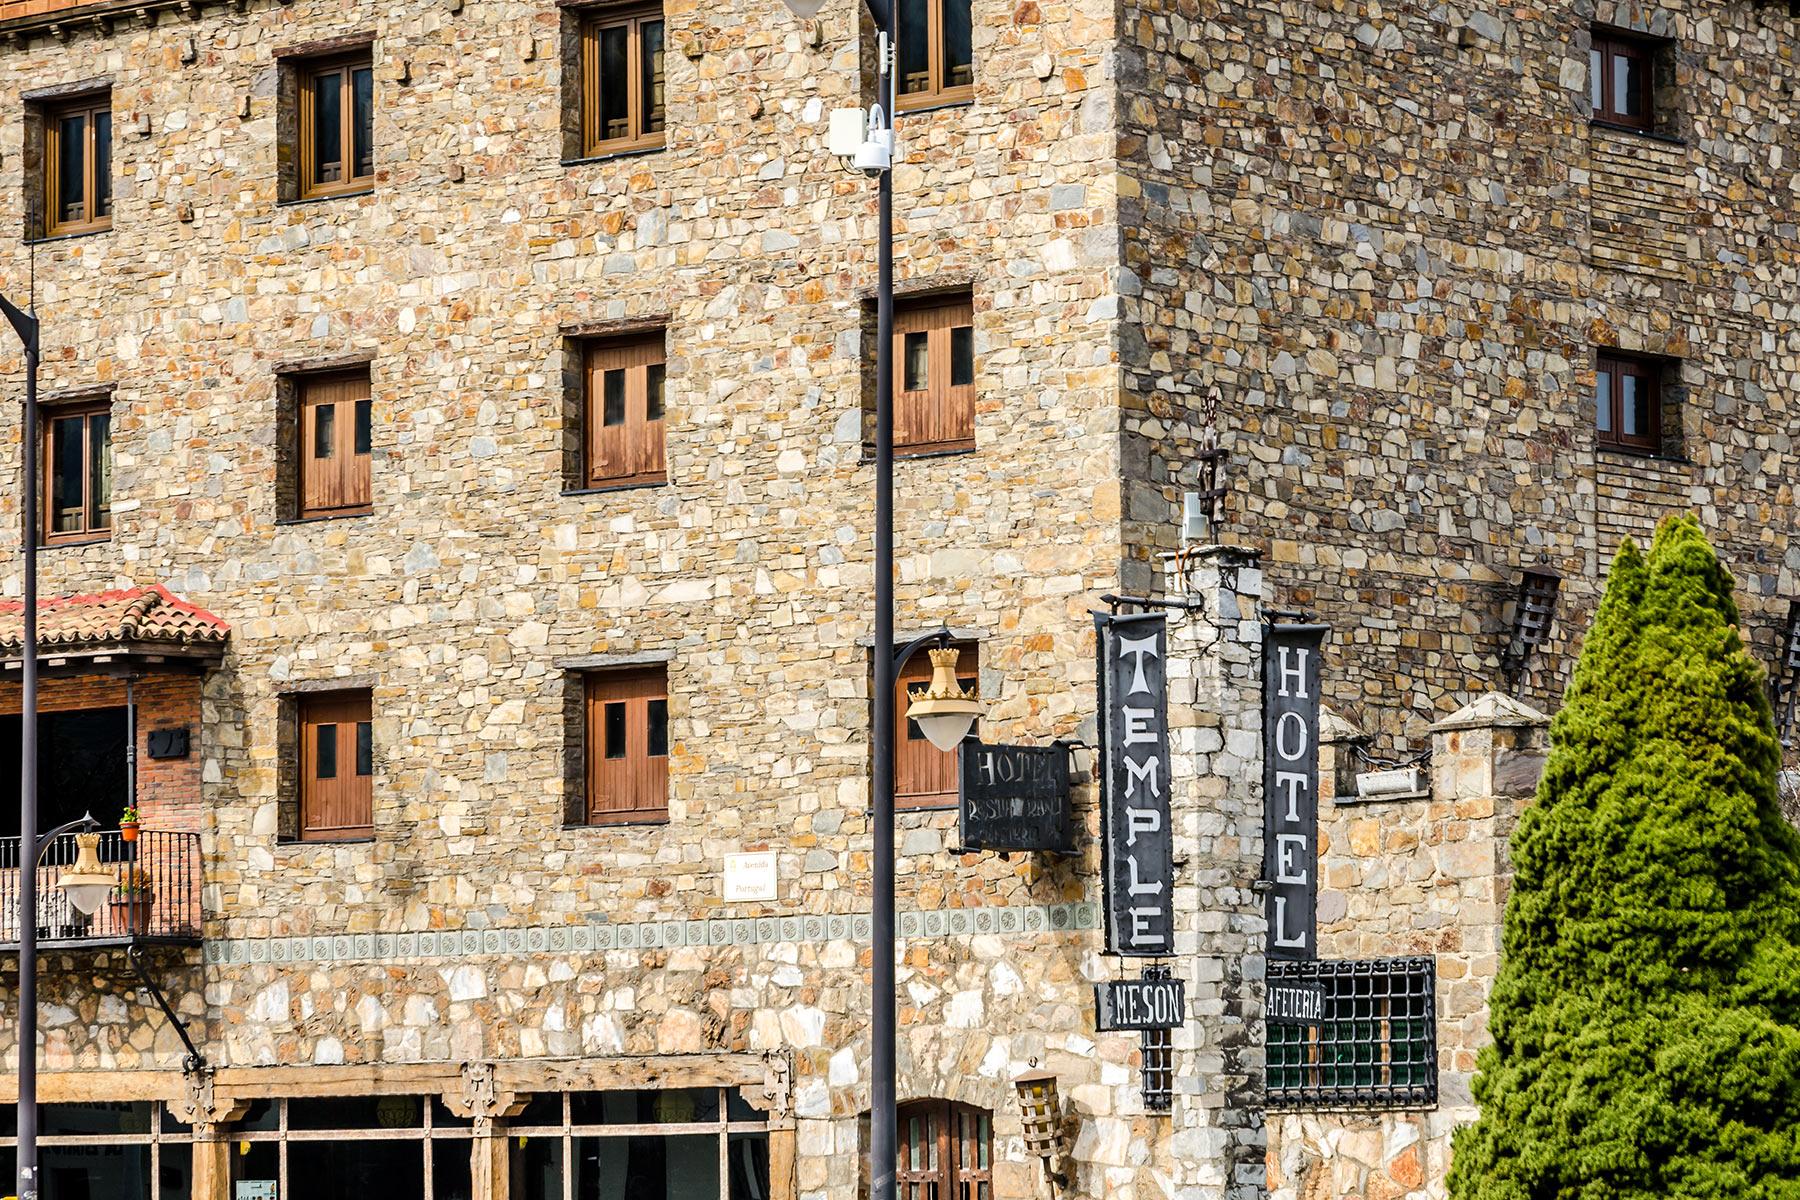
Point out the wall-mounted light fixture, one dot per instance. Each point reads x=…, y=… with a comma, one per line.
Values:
x=1533, y=612
x=1040, y=1109
x=1785, y=685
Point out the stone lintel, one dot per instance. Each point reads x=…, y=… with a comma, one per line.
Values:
x=338, y=683
x=330, y=45
x=602, y=662
x=57, y=91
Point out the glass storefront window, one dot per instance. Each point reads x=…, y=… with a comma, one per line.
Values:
x=644, y=1144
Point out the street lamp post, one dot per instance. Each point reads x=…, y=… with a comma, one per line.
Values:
x=946, y=725
x=26, y=326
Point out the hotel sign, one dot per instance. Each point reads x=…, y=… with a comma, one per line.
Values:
x=1138, y=848
x=1291, y=787
x=1014, y=797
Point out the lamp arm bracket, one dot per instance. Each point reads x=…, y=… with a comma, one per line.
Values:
x=85, y=821
x=195, y=1061
x=942, y=637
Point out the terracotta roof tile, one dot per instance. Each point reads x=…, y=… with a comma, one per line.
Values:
x=132, y=615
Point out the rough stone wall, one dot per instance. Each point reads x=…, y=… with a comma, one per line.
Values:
x=1415, y=876
x=1390, y=237
x=463, y=598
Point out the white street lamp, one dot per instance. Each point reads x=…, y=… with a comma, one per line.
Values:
x=86, y=884
x=944, y=712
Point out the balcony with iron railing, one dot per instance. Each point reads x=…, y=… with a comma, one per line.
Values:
x=156, y=898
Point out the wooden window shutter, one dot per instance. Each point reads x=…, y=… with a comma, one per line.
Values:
x=627, y=752
x=934, y=379
x=334, y=432
x=924, y=776
x=624, y=389
x=336, y=767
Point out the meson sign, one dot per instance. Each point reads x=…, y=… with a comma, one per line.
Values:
x=1138, y=849
x=1291, y=786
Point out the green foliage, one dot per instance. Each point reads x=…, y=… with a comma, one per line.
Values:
x=1646, y=1016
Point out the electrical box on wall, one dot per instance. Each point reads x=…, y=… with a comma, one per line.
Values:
x=169, y=743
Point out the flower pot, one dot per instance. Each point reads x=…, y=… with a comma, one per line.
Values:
x=131, y=914
x=128, y=831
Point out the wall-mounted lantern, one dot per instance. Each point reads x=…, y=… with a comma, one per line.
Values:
x=1785, y=685
x=1533, y=612
x=1040, y=1109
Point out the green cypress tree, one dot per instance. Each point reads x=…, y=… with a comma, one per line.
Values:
x=1646, y=1016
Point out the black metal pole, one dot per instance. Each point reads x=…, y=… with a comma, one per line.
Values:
x=28, y=750
x=883, y=1114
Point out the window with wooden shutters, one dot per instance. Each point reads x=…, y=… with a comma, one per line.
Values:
x=333, y=429
x=336, y=767
x=924, y=776
x=77, y=185
x=934, y=375
x=624, y=382
x=1621, y=79
x=1628, y=402
x=936, y=53
x=78, y=471
x=627, y=751
x=946, y=1152
x=336, y=124
x=622, y=85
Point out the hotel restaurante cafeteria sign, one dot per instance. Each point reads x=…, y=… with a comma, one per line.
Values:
x=1138, y=849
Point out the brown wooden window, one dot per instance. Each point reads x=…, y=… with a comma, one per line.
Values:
x=946, y=1152
x=1628, y=402
x=936, y=53
x=78, y=167
x=78, y=471
x=333, y=426
x=337, y=125
x=622, y=83
x=336, y=767
x=924, y=776
x=622, y=411
x=934, y=376
x=627, y=750
x=1620, y=79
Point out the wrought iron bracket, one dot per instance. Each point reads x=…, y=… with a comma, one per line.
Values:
x=85, y=822
x=943, y=637
x=195, y=1061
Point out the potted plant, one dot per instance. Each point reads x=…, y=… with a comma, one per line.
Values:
x=131, y=903
x=128, y=823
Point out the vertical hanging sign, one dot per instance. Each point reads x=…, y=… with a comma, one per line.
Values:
x=1291, y=786
x=1138, y=848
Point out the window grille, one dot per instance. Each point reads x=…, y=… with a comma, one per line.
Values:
x=1159, y=1059
x=1376, y=1047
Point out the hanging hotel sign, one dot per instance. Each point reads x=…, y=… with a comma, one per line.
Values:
x=1290, y=1003
x=1291, y=786
x=1134, y=1004
x=1014, y=797
x=1138, y=849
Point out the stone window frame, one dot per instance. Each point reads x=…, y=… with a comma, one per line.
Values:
x=581, y=22
x=947, y=1121
x=936, y=91
x=289, y=702
x=294, y=65
x=291, y=379
x=1667, y=405
x=87, y=403
x=38, y=104
x=941, y=292
x=911, y=751
x=1660, y=89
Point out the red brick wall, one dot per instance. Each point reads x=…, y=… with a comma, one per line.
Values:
x=168, y=789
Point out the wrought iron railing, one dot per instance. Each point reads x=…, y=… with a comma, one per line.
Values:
x=1376, y=1046
x=157, y=897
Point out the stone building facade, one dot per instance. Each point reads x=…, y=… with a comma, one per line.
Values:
x=1388, y=239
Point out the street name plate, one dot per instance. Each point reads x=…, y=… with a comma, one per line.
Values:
x=1287, y=1003
x=1014, y=798
x=1136, y=1004
x=750, y=876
